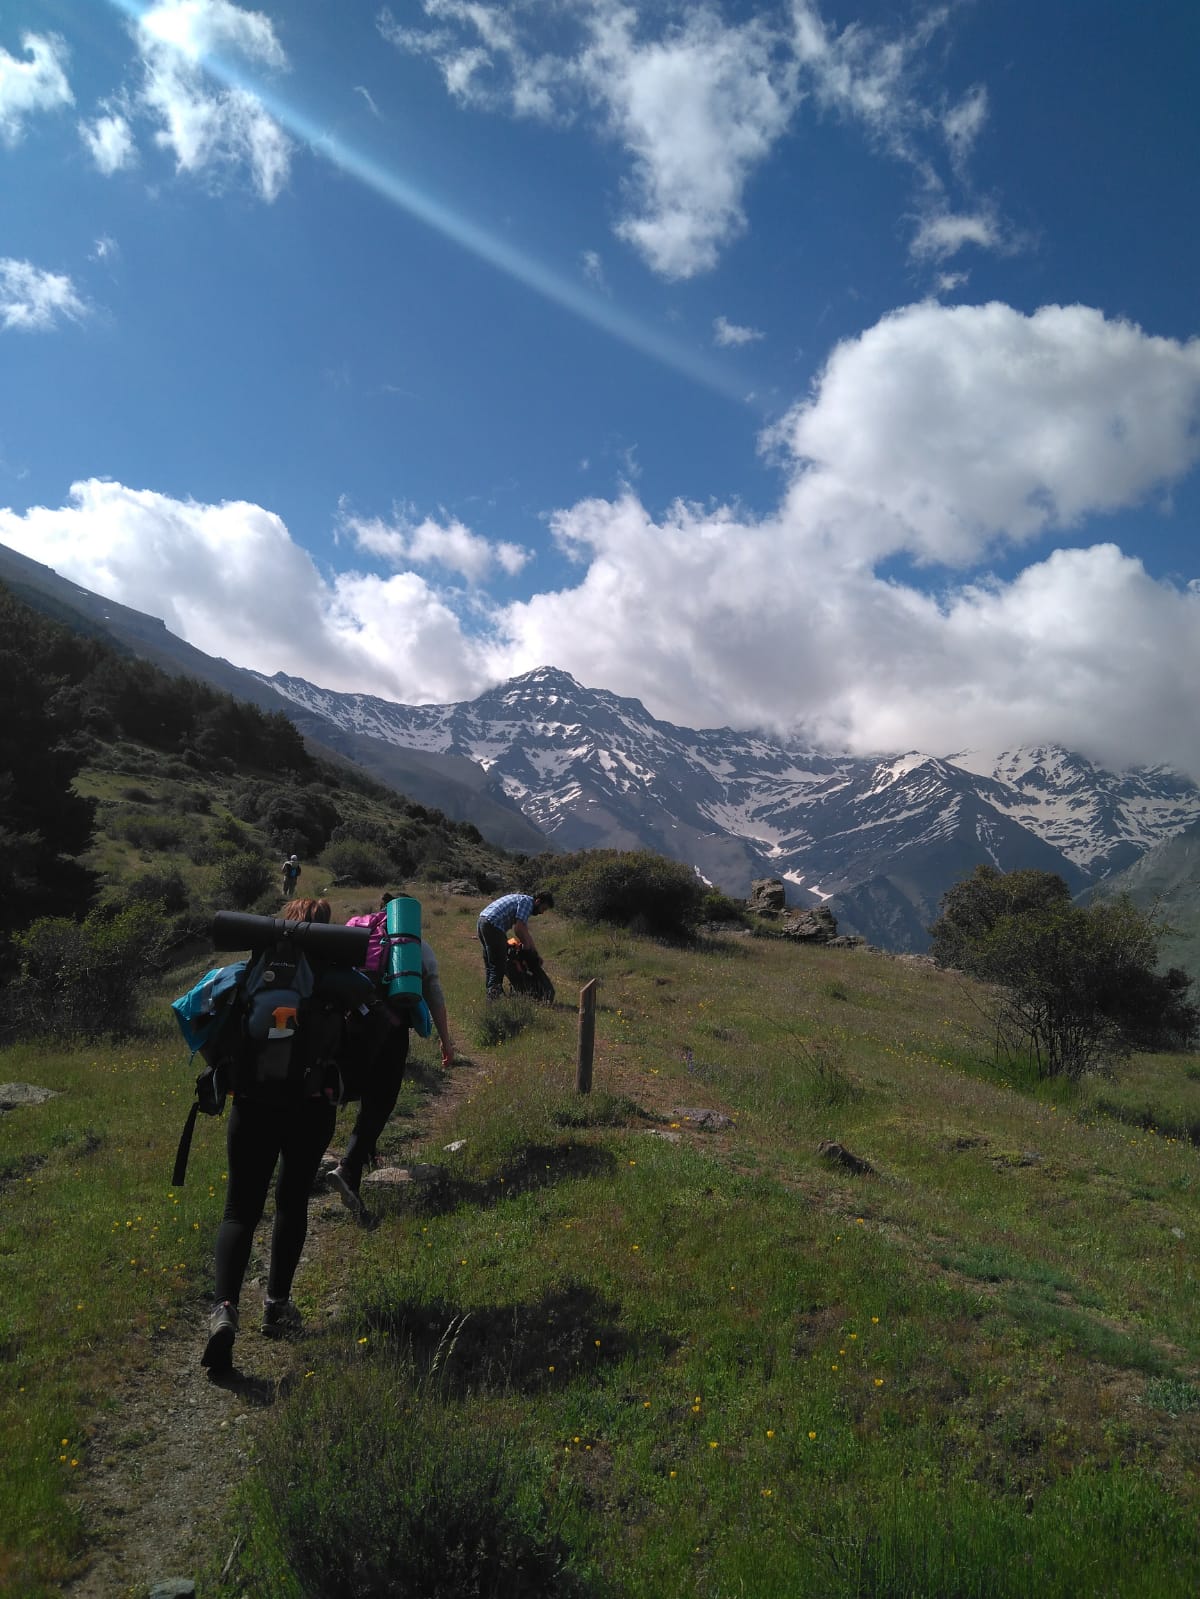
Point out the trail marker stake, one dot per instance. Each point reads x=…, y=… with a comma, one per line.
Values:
x=587, y=1037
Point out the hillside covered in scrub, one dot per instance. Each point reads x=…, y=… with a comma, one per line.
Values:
x=126, y=785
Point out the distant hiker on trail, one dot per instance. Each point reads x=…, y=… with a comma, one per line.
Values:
x=383, y=1080
x=508, y=914
x=261, y=1134
x=291, y=876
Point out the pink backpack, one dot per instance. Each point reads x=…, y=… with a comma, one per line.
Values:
x=377, y=944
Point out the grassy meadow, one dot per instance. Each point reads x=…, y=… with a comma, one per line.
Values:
x=615, y=1352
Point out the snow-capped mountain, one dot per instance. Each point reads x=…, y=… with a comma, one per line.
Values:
x=542, y=760
x=880, y=839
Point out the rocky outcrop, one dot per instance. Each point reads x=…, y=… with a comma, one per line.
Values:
x=815, y=926
x=767, y=897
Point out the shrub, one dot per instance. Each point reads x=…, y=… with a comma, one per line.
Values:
x=356, y=863
x=718, y=907
x=359, y=1500
x=191, y=802
x=241, y=879
x=504, y=1019
x=166, y=888
x=296, y=820
x=394, y=844
x=636, y=889
x=86, y=979
x=144, y=830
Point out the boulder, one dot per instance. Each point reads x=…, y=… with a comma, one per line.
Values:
x=767, y=896
x=14, y=1094
x=713, y=1121
x=815, y=926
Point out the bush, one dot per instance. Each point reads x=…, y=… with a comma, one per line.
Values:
x=242, y=879
x=718, y=907
x=644, y=892
x=191, y=802
x=359, y=1500
x=389, y=840
x=86, y=979
x=355, y=863
x=167, y=889
x=144, y=830
x=296, y=820
x=504, y=1019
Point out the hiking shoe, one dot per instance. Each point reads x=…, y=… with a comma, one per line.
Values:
x=349, y=1197
x=222, y=1330
x=280, y=1318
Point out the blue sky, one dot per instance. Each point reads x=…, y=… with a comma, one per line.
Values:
x=832, y=369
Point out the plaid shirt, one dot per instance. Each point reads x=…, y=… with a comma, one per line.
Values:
x=506, y=910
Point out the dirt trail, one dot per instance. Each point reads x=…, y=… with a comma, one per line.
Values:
x=167, y=1454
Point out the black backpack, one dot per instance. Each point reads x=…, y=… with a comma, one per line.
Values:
x=280, y=1028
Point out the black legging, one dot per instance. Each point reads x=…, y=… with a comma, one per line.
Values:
x=381, y=1090
x=258, y=1136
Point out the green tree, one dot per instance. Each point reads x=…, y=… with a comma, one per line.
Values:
x=1072, y=987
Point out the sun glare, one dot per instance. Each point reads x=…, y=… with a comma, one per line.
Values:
x=177, y=26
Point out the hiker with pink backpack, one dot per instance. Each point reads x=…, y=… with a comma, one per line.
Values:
x=382, y=1086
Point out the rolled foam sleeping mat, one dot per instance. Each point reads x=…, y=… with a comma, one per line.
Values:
x=329, y=942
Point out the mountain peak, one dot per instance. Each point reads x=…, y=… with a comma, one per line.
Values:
x=545, y=687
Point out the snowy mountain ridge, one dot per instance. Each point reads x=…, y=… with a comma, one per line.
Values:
x=881, y=838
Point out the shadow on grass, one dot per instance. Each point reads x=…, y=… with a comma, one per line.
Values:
x=535, y=1166
x=258, y=1392
x=569, y=1332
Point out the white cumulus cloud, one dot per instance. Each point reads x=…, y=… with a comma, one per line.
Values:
x=33, y=300
x=208, y=128
x=697, y=98
x=933, y=435
x=427, y=542
x=944, y=428
x=727, y=334
x=229, y=579
x=37, y=84
x=109, y=140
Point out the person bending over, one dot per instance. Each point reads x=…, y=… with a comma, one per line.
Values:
x=508, y=914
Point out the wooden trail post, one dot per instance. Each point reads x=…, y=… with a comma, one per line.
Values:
x=587, y=1037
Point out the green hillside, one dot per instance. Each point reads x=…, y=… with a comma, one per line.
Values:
x=1166, y=880
x=452, y=785
x=613, y=1350
x=127, y=784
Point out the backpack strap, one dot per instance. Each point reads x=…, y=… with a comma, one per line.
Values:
x=219, y=987
x=185, y=1145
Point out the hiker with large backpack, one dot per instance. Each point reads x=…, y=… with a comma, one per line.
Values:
x=275, y=1037
x=392, y=1020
